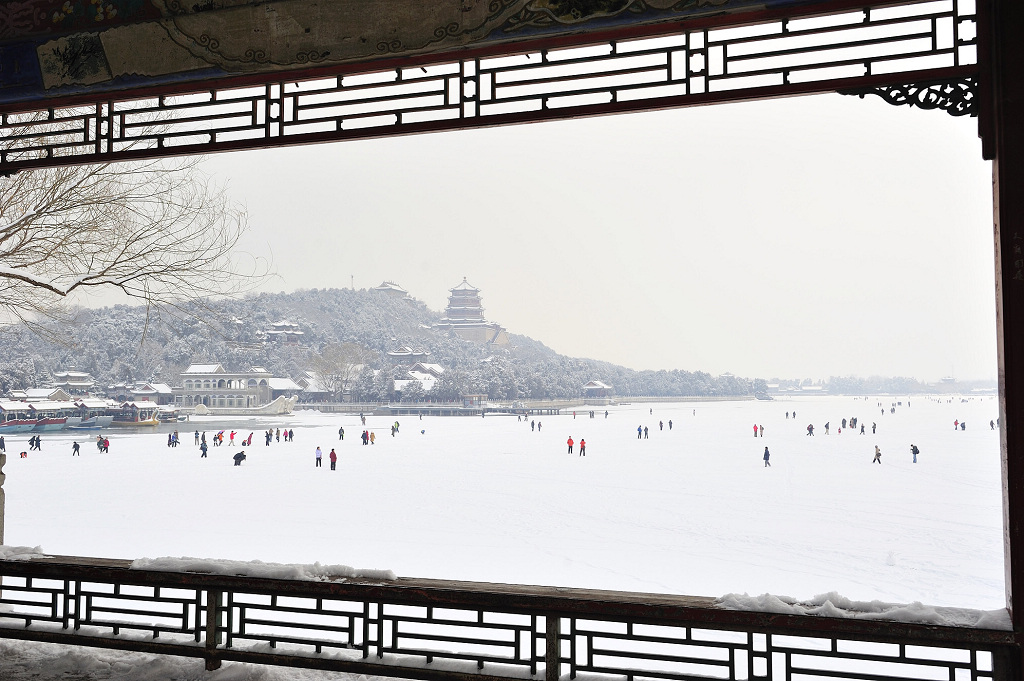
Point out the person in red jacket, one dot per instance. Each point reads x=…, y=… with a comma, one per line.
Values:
x=569, y=442
x=334, y=459
x=583, y=447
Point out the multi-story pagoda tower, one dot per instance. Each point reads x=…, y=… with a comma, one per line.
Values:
x=464, y=304
x=465, y=316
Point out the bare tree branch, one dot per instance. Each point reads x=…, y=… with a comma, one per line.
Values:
x=160, y=232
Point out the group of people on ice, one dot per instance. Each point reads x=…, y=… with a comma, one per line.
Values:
x=852, y=423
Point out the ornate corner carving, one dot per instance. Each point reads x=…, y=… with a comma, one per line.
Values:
x=956, y=97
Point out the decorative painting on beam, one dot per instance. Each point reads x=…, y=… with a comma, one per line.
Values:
x=59, y=48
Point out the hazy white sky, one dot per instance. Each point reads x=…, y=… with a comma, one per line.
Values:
x=806, y=237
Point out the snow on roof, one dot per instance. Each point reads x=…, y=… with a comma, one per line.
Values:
x=406, y=351
x=423, y=377
x=95, y=403
x=204, y=369
x=465, y=286
x=13, y=405
x=597, y=384
x=429, y=368
x=157, y=388
x=313, y=384
x=282, y=384
x=40, y=393
x=258, y=370
x=389, y=286
x=50, y=405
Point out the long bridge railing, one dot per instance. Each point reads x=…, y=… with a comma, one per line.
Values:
x=455, y=631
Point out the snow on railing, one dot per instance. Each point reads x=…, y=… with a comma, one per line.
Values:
x=370, y=622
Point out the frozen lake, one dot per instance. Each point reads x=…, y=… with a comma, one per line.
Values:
x=692, y=510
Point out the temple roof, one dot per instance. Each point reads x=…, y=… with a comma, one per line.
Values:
x=465, y=286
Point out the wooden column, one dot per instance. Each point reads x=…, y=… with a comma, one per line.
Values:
x=1006, y=72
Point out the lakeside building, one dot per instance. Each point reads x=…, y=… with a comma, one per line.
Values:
x=212, y=386
x=597, y=389
x=391, y=289
x=406, y=356
x=73, y=382
x=41, y=394
x=158, y=393
x=285, y=332
x=465, y=317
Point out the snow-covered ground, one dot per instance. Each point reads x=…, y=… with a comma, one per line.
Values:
x=689, y=510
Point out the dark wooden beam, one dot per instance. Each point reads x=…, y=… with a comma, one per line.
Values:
x=1007, y=86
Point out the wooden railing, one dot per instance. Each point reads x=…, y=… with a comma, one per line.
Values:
x=443, y=630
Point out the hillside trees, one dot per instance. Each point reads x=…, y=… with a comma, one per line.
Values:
x=337, y=365
x=157, y=232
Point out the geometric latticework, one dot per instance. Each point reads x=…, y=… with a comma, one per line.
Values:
x=917, y=42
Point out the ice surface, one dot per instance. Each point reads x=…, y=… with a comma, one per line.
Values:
x=692, y=510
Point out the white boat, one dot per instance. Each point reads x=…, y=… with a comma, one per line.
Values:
x=94, y=422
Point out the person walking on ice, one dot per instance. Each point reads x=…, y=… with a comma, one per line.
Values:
x=755, y=430
x=319, y=457
x=878, y=456
x=569, y=442
x=639, y=432
x=915, y=451
x=767, y=455
x=75, y=449
x=341, y=433
x=583, y=447
x=334, y=459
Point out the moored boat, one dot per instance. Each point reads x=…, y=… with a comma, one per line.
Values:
x=94, y=422
x=49, y=423
x=53, y=415
x=16, y=417
x=136, y=415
